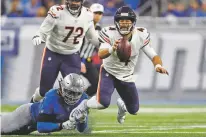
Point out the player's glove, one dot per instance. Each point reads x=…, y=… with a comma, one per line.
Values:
x=69, y=125
x=82, y=117
x=77, y=112
x=36, y=40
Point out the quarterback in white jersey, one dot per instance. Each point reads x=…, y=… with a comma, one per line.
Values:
x=116, y=74
x=112, y=64
x=63, y=31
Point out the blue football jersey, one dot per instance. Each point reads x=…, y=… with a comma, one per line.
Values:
x=53, y=104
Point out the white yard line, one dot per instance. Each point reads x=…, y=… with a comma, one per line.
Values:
x=148, y=132
x=160, y=110
x=151, y=127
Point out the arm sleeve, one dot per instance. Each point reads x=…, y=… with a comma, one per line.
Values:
x=149, y=51
x=46, y=127
x=48, y=23
x=92, y=35
x=146, y=46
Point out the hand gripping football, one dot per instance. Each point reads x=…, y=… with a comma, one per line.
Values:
x=124, y=50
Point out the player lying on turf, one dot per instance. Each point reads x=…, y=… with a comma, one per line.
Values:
x=50, y=114
x=117, y=74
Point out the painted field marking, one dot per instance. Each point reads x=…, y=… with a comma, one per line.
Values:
x=160, y=110
x=153, y=126
x=148, y=132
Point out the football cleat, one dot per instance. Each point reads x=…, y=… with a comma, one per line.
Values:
x=121, y=111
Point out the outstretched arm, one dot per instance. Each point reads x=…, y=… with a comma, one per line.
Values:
x=156, y=60
x=47, y=26
x=46, y=123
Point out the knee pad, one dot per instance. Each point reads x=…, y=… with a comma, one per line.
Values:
x=37, y=97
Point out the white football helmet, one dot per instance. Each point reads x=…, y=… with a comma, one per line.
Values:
x=72, y=88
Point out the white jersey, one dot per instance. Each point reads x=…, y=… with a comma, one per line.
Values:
x=140, y=38
x=63, y=32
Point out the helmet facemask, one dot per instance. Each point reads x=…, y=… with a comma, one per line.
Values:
x=74, y=6
x=125, y=20
x=124, y=25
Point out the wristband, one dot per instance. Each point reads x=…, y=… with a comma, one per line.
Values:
x=158, y=65
x=84, y=60
x=110, y=50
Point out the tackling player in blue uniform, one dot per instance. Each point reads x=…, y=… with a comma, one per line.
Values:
x=50, y=114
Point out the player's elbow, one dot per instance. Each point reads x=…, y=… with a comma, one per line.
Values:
x=41, y=128
x=47, y=127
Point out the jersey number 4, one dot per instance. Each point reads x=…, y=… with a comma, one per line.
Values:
x=78, y=30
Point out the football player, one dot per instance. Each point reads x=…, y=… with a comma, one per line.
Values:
x=88, y=69
x=63, y=31
x=116, y=74
x=50, y=114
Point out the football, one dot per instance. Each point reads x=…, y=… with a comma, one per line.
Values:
x=124, y=50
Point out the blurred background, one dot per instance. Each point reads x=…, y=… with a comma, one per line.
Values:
x=178, y=33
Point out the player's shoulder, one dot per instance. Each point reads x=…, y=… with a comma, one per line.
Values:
x=52, y=94
x=107, y=33
x=86, y=13
x=56, y=10
x=143, y=32
x=109, y=29
x=141, y=29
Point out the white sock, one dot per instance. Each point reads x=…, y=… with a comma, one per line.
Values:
x=37, y=97
x=93, y=103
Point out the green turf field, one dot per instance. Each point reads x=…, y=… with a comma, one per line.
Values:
x=151, y=121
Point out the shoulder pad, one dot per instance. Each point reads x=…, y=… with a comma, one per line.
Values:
x=98, y=27
x=55, y=10
x=145, y=35
x=112, y=28
x=104, y=35
x=87, y=13
x=141, y=29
